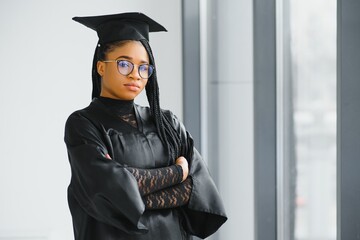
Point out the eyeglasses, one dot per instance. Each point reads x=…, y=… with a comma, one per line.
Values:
x=125, y=68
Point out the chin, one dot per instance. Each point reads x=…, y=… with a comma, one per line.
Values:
x=122, y=96
x=128, y=98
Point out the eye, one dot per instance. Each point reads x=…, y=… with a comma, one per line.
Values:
x=144, y=68
x=124, y=64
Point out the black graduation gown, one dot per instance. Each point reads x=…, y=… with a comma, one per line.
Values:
x=103, y=195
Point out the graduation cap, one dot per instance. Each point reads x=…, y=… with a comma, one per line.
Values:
x=118, y=27
x=122, y=26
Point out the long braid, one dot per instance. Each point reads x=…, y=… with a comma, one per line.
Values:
x=167, y=133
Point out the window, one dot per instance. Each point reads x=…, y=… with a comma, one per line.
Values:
x=306, y=119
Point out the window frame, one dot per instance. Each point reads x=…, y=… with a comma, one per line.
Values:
x=348, y=119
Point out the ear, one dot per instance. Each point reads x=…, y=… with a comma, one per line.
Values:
x=100, y=66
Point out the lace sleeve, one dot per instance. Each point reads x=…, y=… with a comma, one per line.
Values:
x=152, y=180
x=175, y=196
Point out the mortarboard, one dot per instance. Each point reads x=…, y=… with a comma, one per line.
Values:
x=122, y=26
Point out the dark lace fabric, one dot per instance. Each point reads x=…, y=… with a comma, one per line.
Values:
x=130, y=119
x=161, y=187
x=152, y=180
x=174, y=196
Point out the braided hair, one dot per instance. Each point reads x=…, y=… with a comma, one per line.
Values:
x=167, y=133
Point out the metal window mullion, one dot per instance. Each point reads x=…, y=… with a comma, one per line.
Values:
x=265, y=119
x=348, y=119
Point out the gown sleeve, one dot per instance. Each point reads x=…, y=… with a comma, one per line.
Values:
x=103, y=188
x=204, y=214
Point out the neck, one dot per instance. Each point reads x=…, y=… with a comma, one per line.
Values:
x=117, y=106
x=115, y=100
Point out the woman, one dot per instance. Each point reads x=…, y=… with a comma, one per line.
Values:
x=135, y=172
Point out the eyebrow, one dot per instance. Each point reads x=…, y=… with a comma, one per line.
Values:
x=130, y=58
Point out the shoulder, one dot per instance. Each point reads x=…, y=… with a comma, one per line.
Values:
x=145, y=113
x=174, y=121
x=143, y=109
x=171, y=116
x=80, y=124
x=77, y=116
x=86, y=114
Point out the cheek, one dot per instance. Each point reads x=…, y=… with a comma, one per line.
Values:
x=109, y=73
x=144, y=84
x=111, y=76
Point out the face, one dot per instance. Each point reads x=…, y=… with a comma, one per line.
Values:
x=115, y=85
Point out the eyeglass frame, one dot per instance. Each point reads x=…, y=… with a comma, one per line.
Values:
x=133, y=66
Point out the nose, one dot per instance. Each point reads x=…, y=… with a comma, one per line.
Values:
x=134, y=74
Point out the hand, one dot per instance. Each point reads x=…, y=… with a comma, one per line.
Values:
x=185, y=167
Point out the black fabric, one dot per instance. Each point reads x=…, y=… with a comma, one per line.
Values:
x=123, y=109
x=104, y=198
x=117, y=107
x=122, y=26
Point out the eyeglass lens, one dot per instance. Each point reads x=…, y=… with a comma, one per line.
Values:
x=126, y=67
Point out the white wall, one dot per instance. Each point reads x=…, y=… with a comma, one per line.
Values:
x=45, y=67
x=230, y=112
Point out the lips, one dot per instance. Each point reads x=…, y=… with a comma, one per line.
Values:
x=132, y=86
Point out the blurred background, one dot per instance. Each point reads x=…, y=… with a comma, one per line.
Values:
x=217, y=74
